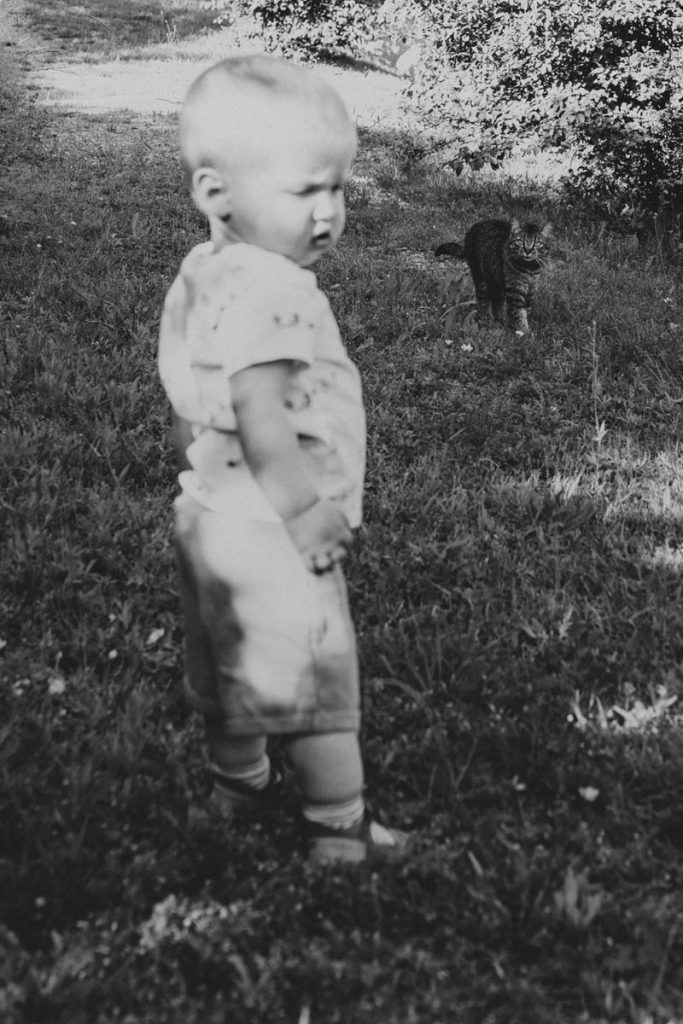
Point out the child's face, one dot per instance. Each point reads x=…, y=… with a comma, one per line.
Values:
x=291, y=201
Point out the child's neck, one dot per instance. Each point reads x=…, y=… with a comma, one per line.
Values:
x=221, y=233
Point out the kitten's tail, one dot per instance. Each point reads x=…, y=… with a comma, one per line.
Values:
x=452, y=249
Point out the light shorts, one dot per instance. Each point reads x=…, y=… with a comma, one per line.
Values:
x=270, y=647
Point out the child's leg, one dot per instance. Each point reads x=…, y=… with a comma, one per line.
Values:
x=239, y=757
x=329, y=769
x=328, y=765
x=240, y=767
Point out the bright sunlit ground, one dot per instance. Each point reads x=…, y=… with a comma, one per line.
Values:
x=154, y=80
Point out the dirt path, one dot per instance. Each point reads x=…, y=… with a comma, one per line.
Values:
x=156, y=86
x=152, y=80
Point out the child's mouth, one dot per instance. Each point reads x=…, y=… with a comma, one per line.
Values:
x=322, y=239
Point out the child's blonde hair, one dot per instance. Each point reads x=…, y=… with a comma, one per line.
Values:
x=228, y=108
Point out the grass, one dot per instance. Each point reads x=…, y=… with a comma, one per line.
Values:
x=517, y=592
x=112, y=25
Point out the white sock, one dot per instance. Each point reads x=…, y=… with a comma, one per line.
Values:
x=340, y=816
x=256, y=775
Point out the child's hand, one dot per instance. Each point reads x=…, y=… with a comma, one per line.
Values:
x=321, y=534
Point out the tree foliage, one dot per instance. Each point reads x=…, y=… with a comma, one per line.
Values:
x=306, y=28
x=600, y=78
x=603, y=78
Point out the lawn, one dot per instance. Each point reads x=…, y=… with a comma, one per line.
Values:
x=517, y=589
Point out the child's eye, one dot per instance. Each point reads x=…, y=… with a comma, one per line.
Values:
x=312, y=190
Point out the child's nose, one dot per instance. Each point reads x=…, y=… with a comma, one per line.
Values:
x=324, y=208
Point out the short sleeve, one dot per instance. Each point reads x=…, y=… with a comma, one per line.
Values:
x=229, y=310
x=270, y=320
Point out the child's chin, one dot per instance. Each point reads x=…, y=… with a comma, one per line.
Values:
x=309, y=258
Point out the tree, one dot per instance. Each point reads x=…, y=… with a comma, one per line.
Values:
x=603, y=77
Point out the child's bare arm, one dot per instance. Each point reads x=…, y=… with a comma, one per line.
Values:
x=182, y=438
x=318, y=528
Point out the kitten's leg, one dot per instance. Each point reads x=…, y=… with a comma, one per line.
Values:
x=518, y=301
x=483, y=298
x=498, y=304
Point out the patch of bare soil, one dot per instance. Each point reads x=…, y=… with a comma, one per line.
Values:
x=153, y=80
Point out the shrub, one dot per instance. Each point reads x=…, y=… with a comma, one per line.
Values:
x=602, y=77
x=306, y=28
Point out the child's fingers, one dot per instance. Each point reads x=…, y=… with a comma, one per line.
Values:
x=326, y=560
x=336, y=557
x=320, y=564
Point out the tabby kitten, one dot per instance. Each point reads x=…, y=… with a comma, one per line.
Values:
x=505, y=259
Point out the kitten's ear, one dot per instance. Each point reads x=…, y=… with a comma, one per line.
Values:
x=514, y=226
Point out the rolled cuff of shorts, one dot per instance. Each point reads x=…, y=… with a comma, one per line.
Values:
x=314, y=721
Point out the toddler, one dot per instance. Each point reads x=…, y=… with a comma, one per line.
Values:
x=268, y=410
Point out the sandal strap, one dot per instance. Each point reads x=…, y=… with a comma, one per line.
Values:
x=366, y=841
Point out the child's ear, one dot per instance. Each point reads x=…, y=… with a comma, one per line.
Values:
x=211, y=192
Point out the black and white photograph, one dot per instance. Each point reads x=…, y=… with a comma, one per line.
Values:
x=341, y=511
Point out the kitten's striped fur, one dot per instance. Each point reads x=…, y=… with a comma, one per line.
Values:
x=505, y=259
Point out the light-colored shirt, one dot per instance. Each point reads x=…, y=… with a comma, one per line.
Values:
x=236, y=308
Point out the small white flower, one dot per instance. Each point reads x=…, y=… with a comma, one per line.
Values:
x=589, y=793
x=466, y=347
x=56, y=686
x=155, y=636
x=113, y=655
x=305, y=1015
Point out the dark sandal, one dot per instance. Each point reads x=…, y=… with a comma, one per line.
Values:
x=230, y=795
x=368, y=841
